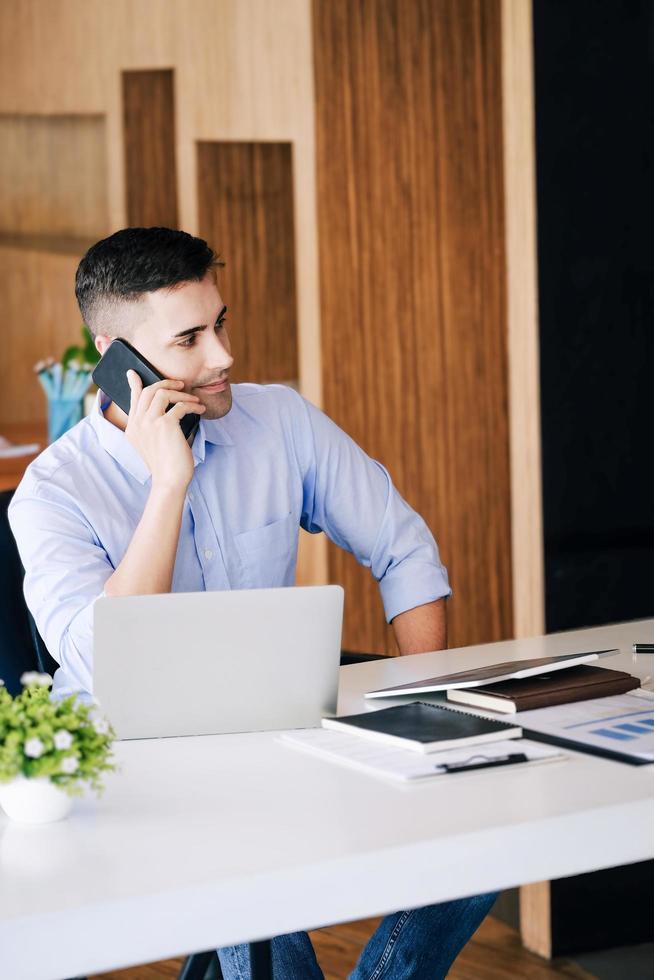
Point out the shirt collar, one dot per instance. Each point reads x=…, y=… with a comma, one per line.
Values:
x=113, y=440
x=210, y=430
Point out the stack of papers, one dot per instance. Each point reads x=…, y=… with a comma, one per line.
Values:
x=406, y=765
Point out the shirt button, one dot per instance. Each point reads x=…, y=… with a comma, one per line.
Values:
x=208, y=553
x=190, y=496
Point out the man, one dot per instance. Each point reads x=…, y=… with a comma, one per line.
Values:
x=123, y=505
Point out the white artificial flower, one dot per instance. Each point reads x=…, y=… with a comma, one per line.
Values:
x=63, y=739
x=101, y=726
x=2, y=683
x=69, y=765
x=34, y=748
x=34, y=677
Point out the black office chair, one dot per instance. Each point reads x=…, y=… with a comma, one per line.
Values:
x=16, y=648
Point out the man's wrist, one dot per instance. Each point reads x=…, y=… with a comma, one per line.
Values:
x=169, y=492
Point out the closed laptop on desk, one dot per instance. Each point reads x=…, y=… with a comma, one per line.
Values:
x=214, y=662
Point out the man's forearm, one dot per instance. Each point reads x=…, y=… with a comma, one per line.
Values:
x=423, y=628
x=148, y=564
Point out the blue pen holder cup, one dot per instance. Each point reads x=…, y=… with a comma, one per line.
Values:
x=63, y=414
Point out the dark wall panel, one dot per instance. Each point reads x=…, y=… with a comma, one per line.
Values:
x=245, y=200
x=412, y=267
x=594, y=102
x=149, y=138
x=594, y=72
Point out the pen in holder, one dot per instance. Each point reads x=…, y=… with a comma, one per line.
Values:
x=64, y=389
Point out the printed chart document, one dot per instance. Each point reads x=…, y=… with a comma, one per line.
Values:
x=405, y=765
x=619, y=727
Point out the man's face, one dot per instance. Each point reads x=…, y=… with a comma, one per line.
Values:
x=182, y=332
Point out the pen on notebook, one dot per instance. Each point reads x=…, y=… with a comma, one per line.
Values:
x=481, y=762
x=643, y=647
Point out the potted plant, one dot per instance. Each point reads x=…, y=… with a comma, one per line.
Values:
x=49, y=751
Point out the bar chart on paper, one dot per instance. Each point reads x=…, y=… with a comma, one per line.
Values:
x=623, y=723
x=626, y=731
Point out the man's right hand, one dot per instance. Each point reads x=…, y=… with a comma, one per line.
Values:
x=156, y=434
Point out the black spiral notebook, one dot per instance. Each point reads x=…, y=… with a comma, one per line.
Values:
x=424, y=727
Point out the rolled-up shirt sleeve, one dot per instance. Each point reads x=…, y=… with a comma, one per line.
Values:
x=65, y=572
x=352, y=499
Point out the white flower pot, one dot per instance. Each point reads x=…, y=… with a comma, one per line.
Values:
x=34, y=800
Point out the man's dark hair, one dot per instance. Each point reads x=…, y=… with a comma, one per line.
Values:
x=134, y=261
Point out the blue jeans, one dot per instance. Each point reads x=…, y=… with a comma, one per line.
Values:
x=417, y=945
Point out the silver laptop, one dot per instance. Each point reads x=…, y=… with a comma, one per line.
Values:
x=202, y=663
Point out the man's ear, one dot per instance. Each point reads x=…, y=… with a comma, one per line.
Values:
x=102, y=341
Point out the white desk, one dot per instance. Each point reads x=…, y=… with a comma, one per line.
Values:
x=217, y=840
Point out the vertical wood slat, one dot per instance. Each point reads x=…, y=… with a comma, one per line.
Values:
x=149, y=140
x=245, y=197
x=411, y=236
x=522, y=311
x=536, y=918
x=522, y=296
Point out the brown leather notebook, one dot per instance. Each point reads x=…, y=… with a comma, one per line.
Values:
x=574, y=684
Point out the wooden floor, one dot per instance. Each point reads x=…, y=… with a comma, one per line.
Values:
x=493, y=953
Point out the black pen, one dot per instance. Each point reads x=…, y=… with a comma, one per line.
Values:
x=506, y=760
x=643, y=647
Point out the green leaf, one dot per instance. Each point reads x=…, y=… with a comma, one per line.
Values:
x=70, y=354
x=91, y=353
x=85, y=352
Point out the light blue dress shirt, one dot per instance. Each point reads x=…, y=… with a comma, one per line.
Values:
x=273, y=464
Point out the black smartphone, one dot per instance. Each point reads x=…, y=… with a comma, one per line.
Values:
x=110, y=375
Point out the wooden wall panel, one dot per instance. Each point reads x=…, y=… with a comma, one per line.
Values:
x=149, y=143
x=522, y=311
x=524, y=382
x=245, y=199
x=53, y=176
x=412, y=271
x=40, y=319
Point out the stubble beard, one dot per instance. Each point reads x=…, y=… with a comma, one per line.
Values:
x=218, y=405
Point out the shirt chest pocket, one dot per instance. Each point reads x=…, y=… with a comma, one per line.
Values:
x=268, y=554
